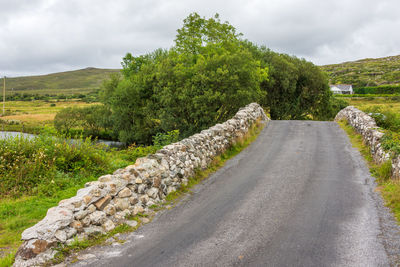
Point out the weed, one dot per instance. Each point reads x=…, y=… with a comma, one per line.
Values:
x=389, y=188
x=8, y=260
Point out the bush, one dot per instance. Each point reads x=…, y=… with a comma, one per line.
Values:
x=384, y=118
x=391, y=143
x=34, y=166
x=159, y=140
x=90, y=120
x=204, y=79
x=382, y=89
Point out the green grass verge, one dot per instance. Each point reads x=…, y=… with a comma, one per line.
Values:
x=389, y=188
x=170, y=201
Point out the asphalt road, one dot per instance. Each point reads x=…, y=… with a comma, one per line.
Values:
x=300, y=195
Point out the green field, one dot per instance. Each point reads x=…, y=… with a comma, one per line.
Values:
x=365, y=104
x=365, y=72
x=69, y=82
x=28, y=115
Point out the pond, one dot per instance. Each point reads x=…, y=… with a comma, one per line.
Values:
x=5, y=134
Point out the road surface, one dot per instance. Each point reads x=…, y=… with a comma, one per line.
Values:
x=300, y=195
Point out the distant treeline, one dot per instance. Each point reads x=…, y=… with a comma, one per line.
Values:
x=89, y=97
x=382, y=89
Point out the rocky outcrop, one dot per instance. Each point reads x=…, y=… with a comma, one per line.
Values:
x=105, y=203
x=366, y=126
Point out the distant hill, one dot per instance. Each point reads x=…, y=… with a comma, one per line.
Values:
x=366, y=72
x=69, y=82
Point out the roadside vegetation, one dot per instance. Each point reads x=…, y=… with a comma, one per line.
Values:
x=386, y=112
x=38, y=173
x=389, y=188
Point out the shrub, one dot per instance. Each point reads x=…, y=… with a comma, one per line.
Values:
x=391, y=143
x=32, y=166
x=384, y=118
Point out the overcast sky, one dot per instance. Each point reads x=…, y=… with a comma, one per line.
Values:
x=45, y=36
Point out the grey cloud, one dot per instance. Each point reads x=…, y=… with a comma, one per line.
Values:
x=38, y=37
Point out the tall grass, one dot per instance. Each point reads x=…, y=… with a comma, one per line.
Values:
x=46, y=164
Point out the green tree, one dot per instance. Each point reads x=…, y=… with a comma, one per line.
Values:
x=296, y=89
x=204, y=79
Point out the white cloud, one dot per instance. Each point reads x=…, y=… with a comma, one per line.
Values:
x=51, y=35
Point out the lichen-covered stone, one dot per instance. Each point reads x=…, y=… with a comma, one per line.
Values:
x=144, y=199
x=77, y=225
x=121, y=203
x=108, y=225
x=98, y=217
x=126, y=192
x=56, y=218
x=152, y=192
x=110, y=210
x=61, y=235
x=102, y=202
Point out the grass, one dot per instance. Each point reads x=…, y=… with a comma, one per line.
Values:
x=30, y=116
x=366, y=104
x=366, y=72
x=171, y=199
x=389, y=188
x=69, y=82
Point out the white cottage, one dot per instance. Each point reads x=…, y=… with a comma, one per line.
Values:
x=344, y=89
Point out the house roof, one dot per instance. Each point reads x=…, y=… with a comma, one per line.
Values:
x=342, y=87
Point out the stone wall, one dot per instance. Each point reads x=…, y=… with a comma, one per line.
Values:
x=105, y=203
x=367, y=128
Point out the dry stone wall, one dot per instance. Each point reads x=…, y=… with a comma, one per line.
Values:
x=105, y=203
x=366, y=126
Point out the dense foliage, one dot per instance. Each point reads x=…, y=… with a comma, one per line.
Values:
x=204, y=79
x=46, y=164
x=383, y=89
x=390, y=122
x=91, y=119
x=385, y=118
x=296, y=89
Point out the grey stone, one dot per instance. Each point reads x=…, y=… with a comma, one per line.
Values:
x=144, y=199
x=110, y=210
x=93, y=230
x=131, y=223
x=141, y=189
x=126, y=192
x=61, y=235
x=98, y=217
x=121, y=203
x=152, y=192
x=56, y=219
x=86, y=257
x=108, y=225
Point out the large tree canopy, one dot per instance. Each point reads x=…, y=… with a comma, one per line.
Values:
x=205, y=78
x=202, y=80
